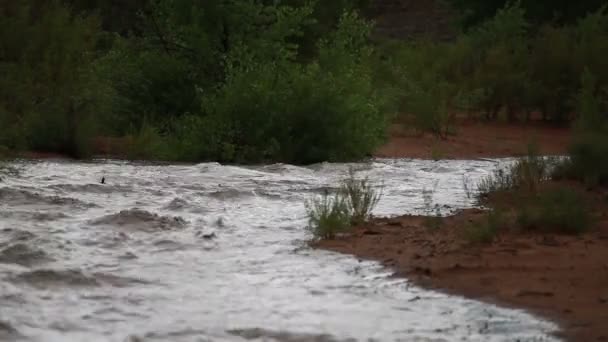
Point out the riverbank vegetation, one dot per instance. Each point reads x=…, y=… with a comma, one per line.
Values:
x=233, y=81
x=538, y=240
x=338, y=212
x=534, y=194
x=293, y=81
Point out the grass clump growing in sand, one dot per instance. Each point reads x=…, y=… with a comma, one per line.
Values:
x=433, y=219
x=485, y=230
x=360, y=197
x=525, y=195
x=587, y=161
x=332, y=214
x=559, y=210
x=327, y=216
x=527, y=173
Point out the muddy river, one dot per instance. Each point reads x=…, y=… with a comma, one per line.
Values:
x=218, y=253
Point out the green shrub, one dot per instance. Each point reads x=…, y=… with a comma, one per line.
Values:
x=427, y=93
x=531, y=170
x=360, y=198
x=504, y=65
x=559, y=210
x=588, y=162
x=328, y=216
x=351, y=205
x=430, y=106
x=526, y=173
x=327, y=110
x=553, y=72
x=147, y=143
x=50, y=99
x=500, y=51
x=485, y=230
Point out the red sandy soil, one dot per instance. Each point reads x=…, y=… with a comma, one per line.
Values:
x=477, y=140
x=562, y=278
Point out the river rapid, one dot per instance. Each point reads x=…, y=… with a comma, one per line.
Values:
x=209, y=252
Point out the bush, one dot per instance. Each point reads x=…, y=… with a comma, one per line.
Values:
x=500, y=51
x=423, y=71
x=553, y=73
x=559, y=210
x=351, y=205
x=327, y=110
x=360, y=198
x=50, y=96
x=526, y=173
x=588, y=162
x=502, y=65
x=485, y=231
x=328, y=216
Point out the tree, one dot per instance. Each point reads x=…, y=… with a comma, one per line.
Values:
x=538, y=12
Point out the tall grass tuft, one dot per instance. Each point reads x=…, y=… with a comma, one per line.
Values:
x=559, y=210
x=486, y=230
x=328, y=216
x=335, y=213
x=433, y=219
x=360, y=197
x=527, y=173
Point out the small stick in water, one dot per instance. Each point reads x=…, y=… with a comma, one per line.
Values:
x=103, y=180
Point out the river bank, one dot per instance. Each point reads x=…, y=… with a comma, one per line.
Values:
x=472, y=139
x=563, y=278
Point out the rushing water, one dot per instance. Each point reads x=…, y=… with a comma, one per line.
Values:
x=217, y=253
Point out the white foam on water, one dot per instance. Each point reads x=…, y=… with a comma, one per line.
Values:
x=218, y=253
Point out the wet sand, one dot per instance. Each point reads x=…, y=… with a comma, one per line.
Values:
x=563, y=278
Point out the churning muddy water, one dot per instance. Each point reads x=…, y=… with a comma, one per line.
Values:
x=217, y=253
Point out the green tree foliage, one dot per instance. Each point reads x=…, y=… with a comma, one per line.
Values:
x=502, y=67
x=48, y=92
x=538, y=12
x=326, y=110
x=229, y=80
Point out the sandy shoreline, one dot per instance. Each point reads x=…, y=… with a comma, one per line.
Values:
x=562, y=278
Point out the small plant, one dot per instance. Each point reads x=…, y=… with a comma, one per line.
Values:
x=501, y=179
x=468, y=187
x=360, y=197
x=351, y=205
x=328, y=216
x=531, y=170
x=588, y=161
x=432, y=212
x=559, y=210
x=486, y=230
x=526, y=173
